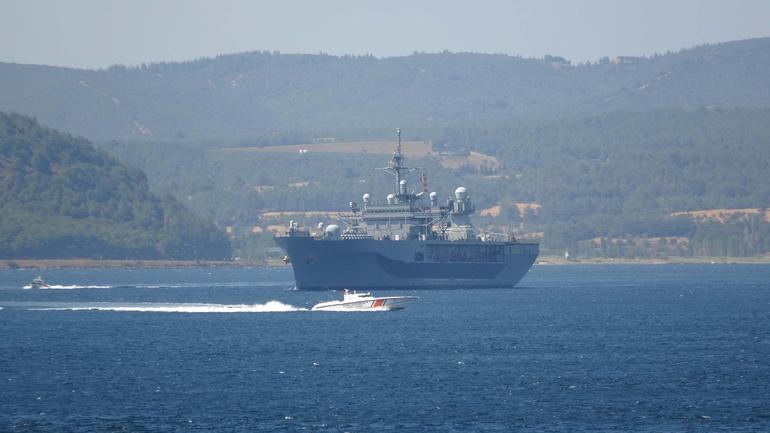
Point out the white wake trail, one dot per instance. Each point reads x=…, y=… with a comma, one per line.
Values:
x=268, y=307
x=70, y=287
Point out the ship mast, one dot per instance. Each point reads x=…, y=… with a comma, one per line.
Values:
x=395, y=166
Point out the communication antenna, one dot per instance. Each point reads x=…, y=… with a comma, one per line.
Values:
x=395, y=166
x=398, y=146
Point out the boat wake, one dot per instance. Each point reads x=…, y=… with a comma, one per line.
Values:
x=268, y=307
x=155, y=286
x=67, y=287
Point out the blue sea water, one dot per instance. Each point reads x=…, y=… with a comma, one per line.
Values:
x=667, y=348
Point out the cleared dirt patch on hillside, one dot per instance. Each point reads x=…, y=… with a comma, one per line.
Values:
x=412, y=149
x=521, y=208
x=475, y=159
x=493, y=211
x=722, y=215
x=299, y=214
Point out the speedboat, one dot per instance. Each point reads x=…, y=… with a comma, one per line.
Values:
x=38, y=283
x=353, y=301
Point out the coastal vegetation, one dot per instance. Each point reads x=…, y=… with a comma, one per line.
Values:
x=60, y=198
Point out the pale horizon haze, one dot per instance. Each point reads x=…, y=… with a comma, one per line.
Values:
x=100, y=33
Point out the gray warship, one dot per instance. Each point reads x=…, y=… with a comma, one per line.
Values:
x=405, y=244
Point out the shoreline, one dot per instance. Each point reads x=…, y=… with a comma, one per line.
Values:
x=696, y=260
x=130, y=264
x=155, y=264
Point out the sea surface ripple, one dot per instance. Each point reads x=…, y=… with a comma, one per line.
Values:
x=654, y=348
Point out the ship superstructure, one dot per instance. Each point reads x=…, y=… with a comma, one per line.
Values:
x=405, y=244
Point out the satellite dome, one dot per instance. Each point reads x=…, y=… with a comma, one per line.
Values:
x=461, y=193
x=332, y=231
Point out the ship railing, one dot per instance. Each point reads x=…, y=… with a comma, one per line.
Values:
x=496, y=237
x=294, y=232
x=357, y=236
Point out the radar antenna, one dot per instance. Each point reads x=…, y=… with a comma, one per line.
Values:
x=395, y=166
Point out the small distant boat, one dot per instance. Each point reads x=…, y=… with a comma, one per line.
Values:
x=353, y=301
x=39, y=283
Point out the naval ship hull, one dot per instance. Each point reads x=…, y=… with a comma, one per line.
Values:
x=368, y=264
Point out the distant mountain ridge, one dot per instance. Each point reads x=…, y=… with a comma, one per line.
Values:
x=62, y=198
x=242, y=96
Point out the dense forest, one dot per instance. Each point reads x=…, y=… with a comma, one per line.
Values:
x=61, y=198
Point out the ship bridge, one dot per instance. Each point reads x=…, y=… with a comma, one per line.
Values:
x=404, y=216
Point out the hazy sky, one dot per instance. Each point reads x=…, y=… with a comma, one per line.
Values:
x=99, y=33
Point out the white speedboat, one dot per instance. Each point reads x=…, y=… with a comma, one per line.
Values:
x=39, y=283
x=352, y=301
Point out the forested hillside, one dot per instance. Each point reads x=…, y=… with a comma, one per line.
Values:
x=62, y=198
x=599, y=158
x=614, y=175
x=263, y=96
